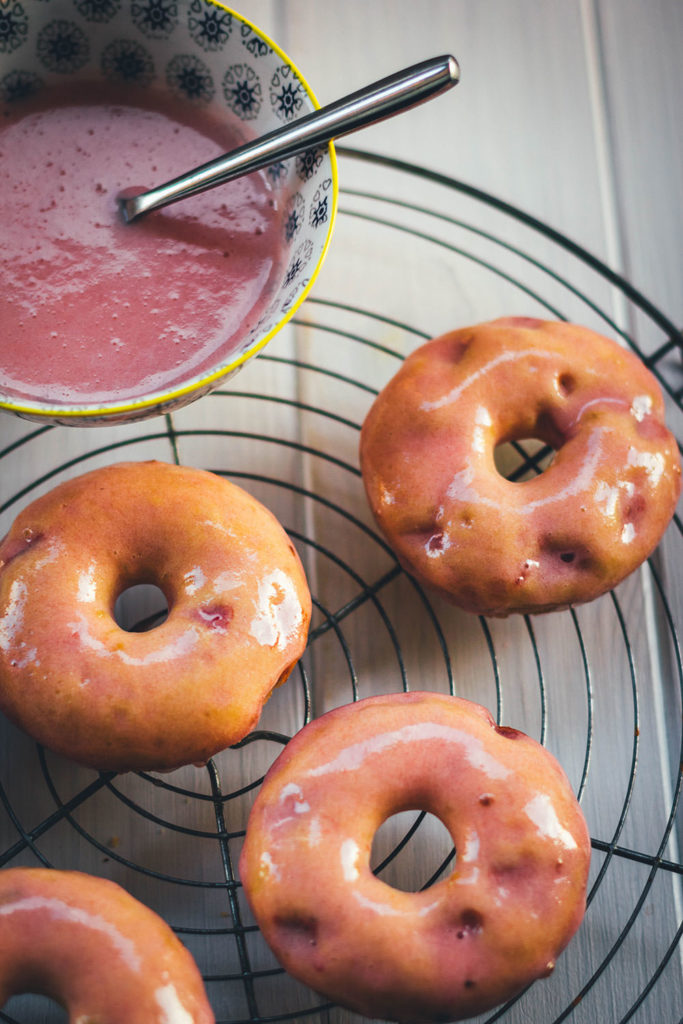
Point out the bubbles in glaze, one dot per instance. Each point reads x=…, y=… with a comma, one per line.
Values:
x=92, y=310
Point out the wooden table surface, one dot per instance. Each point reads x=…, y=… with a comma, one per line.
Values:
x=569, y=111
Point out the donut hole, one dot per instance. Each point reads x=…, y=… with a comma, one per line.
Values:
x=523, y=458
x=140, y=608
x=30, y=1005
x=410, y=849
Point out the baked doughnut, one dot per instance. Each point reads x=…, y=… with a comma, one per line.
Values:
x=572, y=533
x=239, y=609
x=88, y=944
x=466, y=943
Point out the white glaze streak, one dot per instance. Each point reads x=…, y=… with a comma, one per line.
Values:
x=353, y=757
x=65, y=913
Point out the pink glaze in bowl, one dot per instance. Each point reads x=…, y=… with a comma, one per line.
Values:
x=102, y=322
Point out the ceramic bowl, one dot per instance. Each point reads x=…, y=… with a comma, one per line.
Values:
x=204, y=55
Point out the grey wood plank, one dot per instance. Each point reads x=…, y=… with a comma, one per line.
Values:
x=643, y=93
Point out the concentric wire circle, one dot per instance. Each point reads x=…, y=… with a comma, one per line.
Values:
x=599, y=685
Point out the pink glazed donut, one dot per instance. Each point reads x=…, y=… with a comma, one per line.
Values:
x=239, y=609
x=570, y=534
x=88, y=944
x=466, y=943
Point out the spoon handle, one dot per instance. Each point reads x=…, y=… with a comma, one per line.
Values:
x=374, y=103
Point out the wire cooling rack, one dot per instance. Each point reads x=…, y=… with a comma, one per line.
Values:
x=600, y=685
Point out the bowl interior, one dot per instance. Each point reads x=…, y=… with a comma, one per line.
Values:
x=203, y=56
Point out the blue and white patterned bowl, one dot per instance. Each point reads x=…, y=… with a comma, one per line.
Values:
x=205, y=54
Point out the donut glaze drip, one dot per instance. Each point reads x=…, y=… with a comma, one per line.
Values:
x=459, y=947
x=89, y=945
x=566, y=536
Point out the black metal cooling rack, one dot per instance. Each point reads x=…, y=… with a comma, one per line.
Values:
x=193, y=822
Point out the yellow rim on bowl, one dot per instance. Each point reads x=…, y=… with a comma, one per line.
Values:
x=203, y=383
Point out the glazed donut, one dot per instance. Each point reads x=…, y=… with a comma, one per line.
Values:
x=466, y=943
x=88, y=944
x=239, y=609
x=570, y=534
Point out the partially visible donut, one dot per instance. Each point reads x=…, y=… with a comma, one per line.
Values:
x=513, y=901
x=239, y=610
x=492, y=546
x=89, y=945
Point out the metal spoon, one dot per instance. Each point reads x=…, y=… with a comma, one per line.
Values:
x=374, y=103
